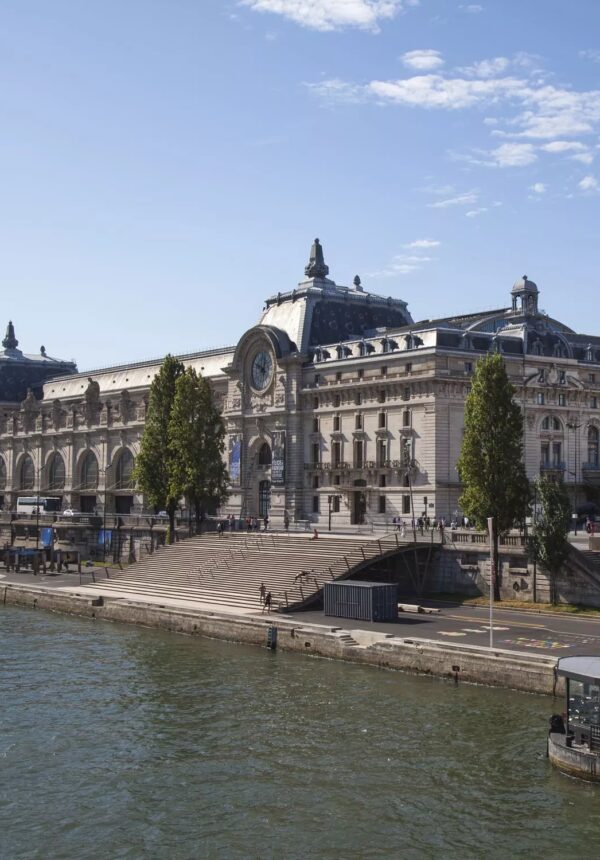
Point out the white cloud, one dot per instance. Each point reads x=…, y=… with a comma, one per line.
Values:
x=423, y=61
x=590, y=54
x=332, y=14
x=475, y=213
x=538, y=188
x=423, y=243
x=471, y=8
x=583, y=157
x=513, y=155
x=563, y=146
x=487, y=68
x=461, y=200
x=588, y=183
x=539, y=111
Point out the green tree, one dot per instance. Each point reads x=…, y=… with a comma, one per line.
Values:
x=197, y=443
x=549, y=544
x=153, y=465
x=490, y=465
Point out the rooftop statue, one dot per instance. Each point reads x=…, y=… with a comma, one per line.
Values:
x=316, y=267
x=10, y=341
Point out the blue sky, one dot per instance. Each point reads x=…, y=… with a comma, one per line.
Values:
x=165, y=166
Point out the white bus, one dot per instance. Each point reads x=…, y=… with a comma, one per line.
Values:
x=32, y=505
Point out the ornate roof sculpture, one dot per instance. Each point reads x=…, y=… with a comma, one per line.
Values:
x=22, y=372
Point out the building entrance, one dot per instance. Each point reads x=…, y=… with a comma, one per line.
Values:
x=264, y=498
x=359, y=507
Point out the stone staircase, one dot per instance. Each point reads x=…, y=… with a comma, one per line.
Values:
x=228, y=570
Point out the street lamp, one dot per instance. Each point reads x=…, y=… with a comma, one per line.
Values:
x=106, y=468
x=330, y=500
x=573, y=425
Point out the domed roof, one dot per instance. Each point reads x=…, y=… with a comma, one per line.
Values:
x=524, y=285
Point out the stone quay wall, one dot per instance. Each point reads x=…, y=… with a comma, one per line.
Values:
x=499, y=668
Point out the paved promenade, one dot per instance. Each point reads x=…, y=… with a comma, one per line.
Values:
x=514, y=630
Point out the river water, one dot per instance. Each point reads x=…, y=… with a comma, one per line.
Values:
x=121, y=742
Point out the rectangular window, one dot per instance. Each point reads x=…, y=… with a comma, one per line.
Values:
x=540, y=398
x=335, y=507
x=405, y=481
x=468, y=367
x=316, y=453
x=406, y=418
x=358, y=455
x=358, y=422
x=336, y=454
x=382, y=480
x=406, y=393
x=384, y=371
x=316, y=504
x=358, y=398
x=315, y=482
x=408, y=367
x=361, y=373
x=381, y=397
x=337, y=400
x=562, y=377
x=317, y=378
x=337, y=424
x=406, y=504
x=382, y=504
x=593, y=402
x=591, y=377
x=381, y=452
x=382, y=420
x=545, y=453
x=315, y=402
x=336, y=480
x=541, y=375
x=562, y=399
x=338, y=376
x=315, y=425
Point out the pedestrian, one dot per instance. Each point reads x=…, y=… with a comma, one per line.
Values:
x=220, y=529
x=286, y=522
x=315, y=535
x=268, y=602
x=262, y=591
x=266, y=521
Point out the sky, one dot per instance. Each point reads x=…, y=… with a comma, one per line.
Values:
x=166, y=165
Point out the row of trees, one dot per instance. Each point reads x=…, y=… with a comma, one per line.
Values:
x=492, y=471
x=181, y=453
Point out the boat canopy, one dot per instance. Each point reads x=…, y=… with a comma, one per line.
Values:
x=583, y=668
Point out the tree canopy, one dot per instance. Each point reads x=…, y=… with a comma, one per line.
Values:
x=196, y=438
x=490, y=465
x=549, y=544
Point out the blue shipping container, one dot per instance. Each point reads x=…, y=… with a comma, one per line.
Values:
x=363, y=601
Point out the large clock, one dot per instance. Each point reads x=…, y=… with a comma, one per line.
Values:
x=262, y=370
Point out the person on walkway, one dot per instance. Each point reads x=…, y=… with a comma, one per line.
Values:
x=266, y=521
x=268, y=602
x=262, y=590
x=286, y=522
x=220, y=529
x=315, y=535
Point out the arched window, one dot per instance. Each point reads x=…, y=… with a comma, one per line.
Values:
x=264, y=455
x=27, y=474
x=124, y=473
x=2, y=474
x=593, y=448
x=550, y=422
x=89, y=471
x=56, y=472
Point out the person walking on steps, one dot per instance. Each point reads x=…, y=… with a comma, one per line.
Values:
x=262, y=591
x=268, y=602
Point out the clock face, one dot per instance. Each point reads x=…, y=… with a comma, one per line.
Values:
x=262, y=370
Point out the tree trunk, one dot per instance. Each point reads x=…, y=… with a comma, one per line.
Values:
x=171, y=513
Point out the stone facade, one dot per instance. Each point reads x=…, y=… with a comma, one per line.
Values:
x=336, y=405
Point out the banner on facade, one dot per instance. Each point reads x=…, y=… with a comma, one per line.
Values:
x=278, y=461
x=235, y=462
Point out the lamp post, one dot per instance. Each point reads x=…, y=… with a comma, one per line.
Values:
x=106, y=468
x=37, y=508
x=573, y=425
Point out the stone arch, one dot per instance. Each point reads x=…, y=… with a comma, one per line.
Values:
x=265, y=455
x=551, y=424
x=123, y=465
x=26, y=473
x=56, y=472
x=88, y=470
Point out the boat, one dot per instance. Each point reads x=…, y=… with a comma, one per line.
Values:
x=574, y=737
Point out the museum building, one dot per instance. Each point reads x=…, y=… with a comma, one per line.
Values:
x=338, y=408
